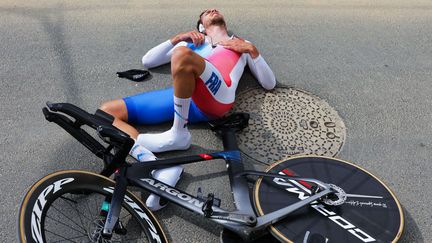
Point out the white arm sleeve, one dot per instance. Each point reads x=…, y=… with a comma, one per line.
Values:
x=160, y=54
x=262, y=72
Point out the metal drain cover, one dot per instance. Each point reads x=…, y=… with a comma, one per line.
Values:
x=286, y=122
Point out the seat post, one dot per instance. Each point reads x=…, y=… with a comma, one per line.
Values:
x=227, y=127
x=239, y=186
x=229, y=139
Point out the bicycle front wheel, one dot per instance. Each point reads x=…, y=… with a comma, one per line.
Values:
x=366, y=209
x=68, y=206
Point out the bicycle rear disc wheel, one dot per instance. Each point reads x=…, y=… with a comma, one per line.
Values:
x=66, y=207
x=371, y=212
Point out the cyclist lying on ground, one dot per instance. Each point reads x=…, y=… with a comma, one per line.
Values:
x=206, y=67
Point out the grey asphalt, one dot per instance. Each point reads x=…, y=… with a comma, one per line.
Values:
x=370, y=60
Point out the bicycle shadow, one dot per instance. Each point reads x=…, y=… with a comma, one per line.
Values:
x=70, y=154
x=412, y=232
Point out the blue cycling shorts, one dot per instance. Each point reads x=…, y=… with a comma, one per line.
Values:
x=156, y=107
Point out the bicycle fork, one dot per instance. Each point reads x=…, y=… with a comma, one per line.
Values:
x=116, y=203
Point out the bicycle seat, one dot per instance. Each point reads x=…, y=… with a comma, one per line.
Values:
x=235, y=121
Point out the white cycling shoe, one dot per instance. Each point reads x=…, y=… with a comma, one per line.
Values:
x=169, y=176
x=166, y=141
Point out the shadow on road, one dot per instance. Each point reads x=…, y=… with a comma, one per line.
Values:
x=411, y=232
x=52, y=20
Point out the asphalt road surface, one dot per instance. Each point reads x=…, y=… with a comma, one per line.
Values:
x=370, y=60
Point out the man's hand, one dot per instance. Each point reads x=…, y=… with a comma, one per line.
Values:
x=192, y=36
x=241, y=46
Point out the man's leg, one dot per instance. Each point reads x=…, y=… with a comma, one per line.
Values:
x=117, y=108
x=186, y=67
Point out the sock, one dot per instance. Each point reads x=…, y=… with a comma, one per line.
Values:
x=181, y=113
x=177, y=138
x=169, y=176
x=141, y=154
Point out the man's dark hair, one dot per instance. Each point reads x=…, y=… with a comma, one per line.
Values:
x=200, y=22
x=199, y=19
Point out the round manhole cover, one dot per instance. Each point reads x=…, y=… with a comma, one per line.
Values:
x=286, y=122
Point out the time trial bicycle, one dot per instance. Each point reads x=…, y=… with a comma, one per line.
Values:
x=301, y=199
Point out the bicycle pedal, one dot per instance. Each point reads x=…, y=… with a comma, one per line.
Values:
x=207, y=207
x=216, y=201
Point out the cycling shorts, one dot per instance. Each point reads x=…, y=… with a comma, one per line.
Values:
x=214, y=92
x=155, y=107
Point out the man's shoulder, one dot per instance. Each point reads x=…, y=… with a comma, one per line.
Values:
x=240, y=38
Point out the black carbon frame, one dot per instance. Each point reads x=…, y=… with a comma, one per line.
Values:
x=242, y=221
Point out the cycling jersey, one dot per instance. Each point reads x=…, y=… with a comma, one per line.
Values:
x=214, y=92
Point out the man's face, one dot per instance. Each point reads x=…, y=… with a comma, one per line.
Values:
x=212, y=17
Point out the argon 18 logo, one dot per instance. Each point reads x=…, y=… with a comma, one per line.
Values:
x=303, y=193
x=40, y=204
x=140, y=212
x=174, y=192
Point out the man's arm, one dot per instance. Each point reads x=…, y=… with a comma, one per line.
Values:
x=258, y=66
x=262, y=72
x=158, y=55
x=161, y=54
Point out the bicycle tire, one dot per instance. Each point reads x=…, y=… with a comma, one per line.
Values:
x=375, y=218
x=55, y=206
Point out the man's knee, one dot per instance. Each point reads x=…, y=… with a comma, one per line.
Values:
x=116, y=108
x=185, y=60
x=182, y=54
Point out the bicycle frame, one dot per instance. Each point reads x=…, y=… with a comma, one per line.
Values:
x=242, y=221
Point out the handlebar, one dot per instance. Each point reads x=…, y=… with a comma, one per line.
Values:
x=102, y=123
x=81, y=115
